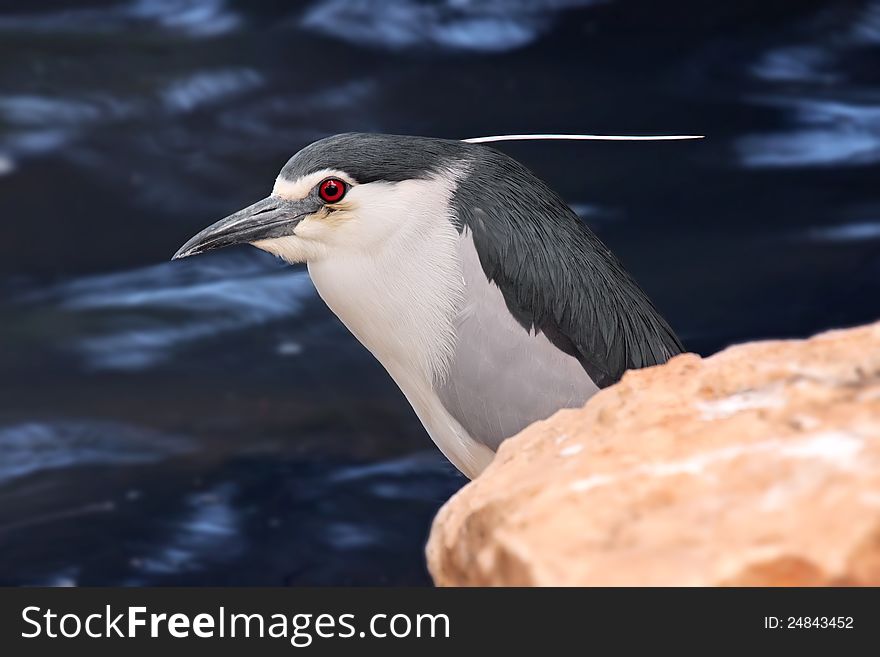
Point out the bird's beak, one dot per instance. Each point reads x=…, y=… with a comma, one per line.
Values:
x=271, y=217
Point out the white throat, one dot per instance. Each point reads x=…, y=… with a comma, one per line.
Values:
x=401, y=301
x=401, y=298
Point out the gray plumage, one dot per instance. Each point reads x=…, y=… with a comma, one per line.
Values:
x=373, y=157
x=557, y=277
x=502, y=376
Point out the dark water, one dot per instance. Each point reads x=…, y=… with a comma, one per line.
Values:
x=209, y=421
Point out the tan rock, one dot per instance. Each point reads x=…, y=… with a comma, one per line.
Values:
x=757, y=466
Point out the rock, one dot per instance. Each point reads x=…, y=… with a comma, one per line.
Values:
x=759, y=465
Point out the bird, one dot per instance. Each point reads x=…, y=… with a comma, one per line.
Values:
x=489, y=302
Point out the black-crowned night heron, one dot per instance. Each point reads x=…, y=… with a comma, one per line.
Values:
x=481, y=292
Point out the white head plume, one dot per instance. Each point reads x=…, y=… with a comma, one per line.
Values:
x=540, y=137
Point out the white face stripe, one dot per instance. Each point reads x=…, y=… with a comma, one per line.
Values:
x=293, y=190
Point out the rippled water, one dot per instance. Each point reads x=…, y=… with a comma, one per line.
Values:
x=208, y=421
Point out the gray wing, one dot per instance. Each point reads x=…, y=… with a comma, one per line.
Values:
x=502, y=377
x=555, y=275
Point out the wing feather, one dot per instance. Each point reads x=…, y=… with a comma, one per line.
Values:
x=555, y=275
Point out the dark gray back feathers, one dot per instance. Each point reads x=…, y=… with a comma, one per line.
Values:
x=554, y=273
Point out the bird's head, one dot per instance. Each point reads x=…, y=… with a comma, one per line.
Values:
x=345, y=193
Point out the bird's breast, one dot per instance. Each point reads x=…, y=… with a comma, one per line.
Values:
x=404, y=311
x=402, y=301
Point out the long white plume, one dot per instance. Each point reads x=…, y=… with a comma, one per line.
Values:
x=485, y=140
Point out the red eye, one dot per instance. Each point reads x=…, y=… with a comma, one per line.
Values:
x=332, y=190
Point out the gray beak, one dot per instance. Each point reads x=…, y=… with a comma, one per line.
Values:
x=271, y=217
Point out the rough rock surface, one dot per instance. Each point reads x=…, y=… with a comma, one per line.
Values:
x=759, y=465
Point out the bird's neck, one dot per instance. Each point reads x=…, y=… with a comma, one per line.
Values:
x=401, y=300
